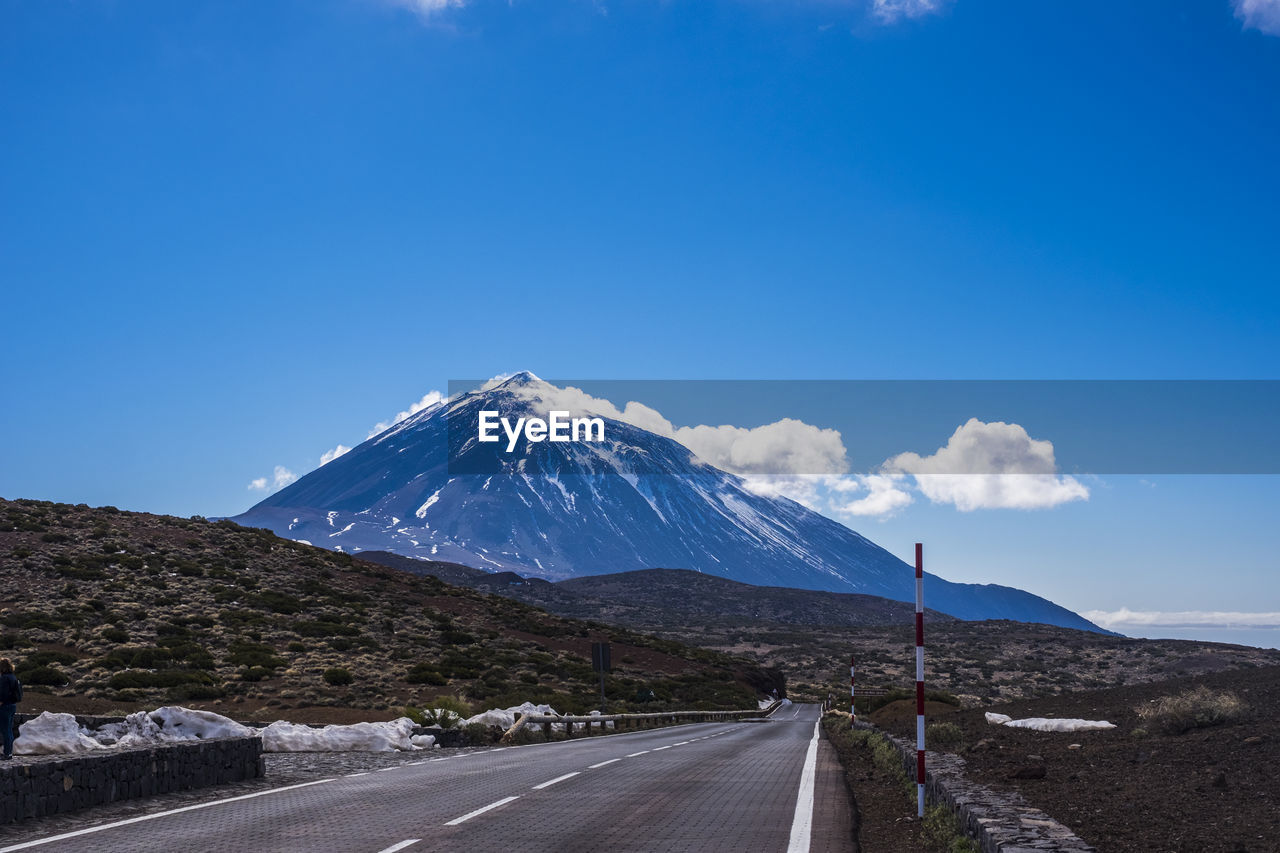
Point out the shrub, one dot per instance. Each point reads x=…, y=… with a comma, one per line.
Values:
x=115, y=635
x=338, y=676
x=186, y=692
x=255, y=673
x=140, y=679
x=148, y=658
x=425, y=673
x=1192, y=709
x=942, y=830
x=324, y=628
x=244, y=653
x=942, y=734
x=38, y=659
x=46, y=675
x=479, y=733
x=447, y=711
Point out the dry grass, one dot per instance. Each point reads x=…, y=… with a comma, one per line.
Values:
x=1192, y=709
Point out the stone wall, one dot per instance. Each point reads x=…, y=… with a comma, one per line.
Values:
x=35, y=786
x=1000, y=821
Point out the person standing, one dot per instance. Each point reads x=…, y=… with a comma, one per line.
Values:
x=10, y=696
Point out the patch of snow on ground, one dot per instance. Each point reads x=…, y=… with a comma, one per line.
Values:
x=505, y=718
x=421, y=512
x=1047, y=724
x=396, y=735
x=53, y=734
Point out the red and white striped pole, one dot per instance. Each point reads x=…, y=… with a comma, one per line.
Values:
x=919, y=680
x=853, y=711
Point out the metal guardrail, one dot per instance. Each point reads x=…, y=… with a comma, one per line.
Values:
x=627, y=722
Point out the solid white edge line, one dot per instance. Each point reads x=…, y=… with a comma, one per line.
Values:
x=64, y=836
x=403, y=844
x=603, y=763
x=466, y=817
x=802, y=823
x=551, y=782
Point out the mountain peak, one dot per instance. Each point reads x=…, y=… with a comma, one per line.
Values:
x=516, y=380
x=559, y=509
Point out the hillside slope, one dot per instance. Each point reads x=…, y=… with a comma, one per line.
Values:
x=117, y=608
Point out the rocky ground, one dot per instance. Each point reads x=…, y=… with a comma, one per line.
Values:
x=1136, y=788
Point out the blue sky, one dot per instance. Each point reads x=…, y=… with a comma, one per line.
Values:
x=236, y=234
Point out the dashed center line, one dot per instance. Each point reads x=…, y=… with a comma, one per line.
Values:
x=466, y=817
x=660, y=748
x=634, y=754
x=603, y=763
x=551, y=782
x=403, y=844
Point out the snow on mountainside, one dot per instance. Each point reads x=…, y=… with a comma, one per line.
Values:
x=427, y=488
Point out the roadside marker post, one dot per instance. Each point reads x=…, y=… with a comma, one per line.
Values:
x=919, y=680
x=853, y=710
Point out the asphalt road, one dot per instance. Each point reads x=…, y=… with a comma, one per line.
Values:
x=743, y=786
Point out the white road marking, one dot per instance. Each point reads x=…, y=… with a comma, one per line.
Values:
x=551, y=782
x=603, y=763
x=634, y=754
x=802, y=823
x=403, y=844
x=466, y=817
x=353, y=775
x=385, y=769
x=141, y=818
x=660, y=748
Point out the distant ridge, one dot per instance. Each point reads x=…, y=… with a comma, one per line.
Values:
x=645, y=595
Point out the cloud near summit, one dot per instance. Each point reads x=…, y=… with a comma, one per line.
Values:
x=982, y=466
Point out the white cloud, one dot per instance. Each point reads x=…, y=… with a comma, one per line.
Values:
x=990, y=466
x=885, y=497
x=783, y=448
x=1261, y=15
x=1124, y=617
x=427, y=8
x=280, y=478
x=330, y=455
x=891, y=11
x=428, y=400
x=983, y=465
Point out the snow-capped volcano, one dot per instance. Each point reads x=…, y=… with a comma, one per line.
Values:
x=429, y=487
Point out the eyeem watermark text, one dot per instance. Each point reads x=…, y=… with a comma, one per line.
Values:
x=558, y=427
